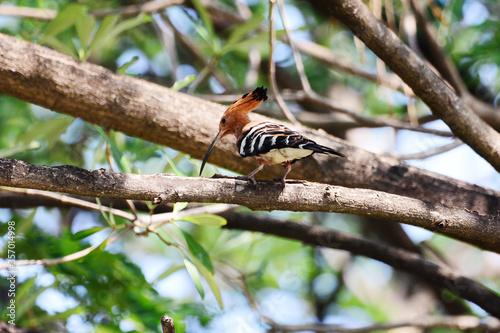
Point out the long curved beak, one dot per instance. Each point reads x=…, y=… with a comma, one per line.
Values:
x=209, y=151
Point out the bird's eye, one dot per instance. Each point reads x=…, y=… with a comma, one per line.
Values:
x=223, y=120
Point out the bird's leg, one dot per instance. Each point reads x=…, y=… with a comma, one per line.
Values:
x=250, y=175
x=288, y=168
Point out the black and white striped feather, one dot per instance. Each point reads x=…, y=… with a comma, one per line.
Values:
x=279, y=143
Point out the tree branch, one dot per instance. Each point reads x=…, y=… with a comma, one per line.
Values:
x=67, y=258
x=167, y=324
x=463, y=323
x=151, y=112
x=127, y=11
x=479, y=230
x=8, y=328
x=395, y=257
x=443, y=102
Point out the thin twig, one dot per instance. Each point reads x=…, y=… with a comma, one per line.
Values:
x=325, y=120
x=109, y=158
x=203, y=74
x=159, y=220
x=68, y=258
x=327, y=56
x=272, y=69
x=252, y=76
x=28, y=12
x=220, y=76
x=134, y=10
x=320, y=100
x=126, y=11
x=240, y=282
x=67, y=200
x=462, y=323
x=296, y=55
x=430, y=152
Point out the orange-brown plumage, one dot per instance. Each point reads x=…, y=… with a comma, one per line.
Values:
x=267, y=143
x=236, y=116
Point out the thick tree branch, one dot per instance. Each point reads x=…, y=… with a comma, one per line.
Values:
x=142, y=109
x=440, y=98
x=479, y=230
x=395, y=257
x=252, y=222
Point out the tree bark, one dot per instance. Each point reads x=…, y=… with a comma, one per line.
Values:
x=398, y=258
x=188, y=124
x=476, y=229
x=440, y=98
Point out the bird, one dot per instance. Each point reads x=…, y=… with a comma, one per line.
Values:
x=268, y=143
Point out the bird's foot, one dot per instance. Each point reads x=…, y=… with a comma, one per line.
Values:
x=249, y=178
x=281, y=180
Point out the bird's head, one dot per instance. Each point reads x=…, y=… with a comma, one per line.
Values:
x=236, y=116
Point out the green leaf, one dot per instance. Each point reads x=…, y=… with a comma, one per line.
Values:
x=195, y=276
x=26, y=296
x=64, y=19
x=102, y=246
x=105, y=28
x=169, y=271
x=26, y=224
x=125, y=66
x=85, y=25
x=211, y=41
x=120, y=159
x=109, y=29
x=205, y=17
x=87, y=232
x=210, y=280
x=241, y=31
x=104, y=215
x=172, y=164
x=208, y=220
x=51, y=130
x=178, y=206
x=197, y=251
x=129, y=24
x=58, y=45
x=178, y=85
x=260, y=42
x=19, y=148
x=58, y=316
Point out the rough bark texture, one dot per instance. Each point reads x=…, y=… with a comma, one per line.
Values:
x=395, y=257
x=440, y=98
x=479, y=230
x=357, y=245
x=142, y=109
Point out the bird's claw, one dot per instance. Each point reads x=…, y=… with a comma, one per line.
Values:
x=249, y=178
x=281, y=180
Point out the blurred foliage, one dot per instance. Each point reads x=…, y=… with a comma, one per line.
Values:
x=131, y=284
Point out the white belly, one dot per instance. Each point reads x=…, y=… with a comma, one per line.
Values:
x=279, y=156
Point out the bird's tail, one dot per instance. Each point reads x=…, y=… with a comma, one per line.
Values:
x=323, y=150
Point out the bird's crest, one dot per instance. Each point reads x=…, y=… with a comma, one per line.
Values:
x=249, y=101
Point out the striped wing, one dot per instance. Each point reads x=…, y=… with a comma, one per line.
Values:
x=264, y=137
